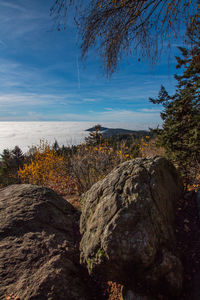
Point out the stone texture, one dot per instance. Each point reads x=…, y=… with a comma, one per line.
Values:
x=38, y=251
x=127, y=226
x=130, y=295
x=198, y=202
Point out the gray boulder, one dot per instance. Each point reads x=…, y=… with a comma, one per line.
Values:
x=39, y=256
x=130, y=295
x=127, y=226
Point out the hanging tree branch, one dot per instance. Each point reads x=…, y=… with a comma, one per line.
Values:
x=119, y=26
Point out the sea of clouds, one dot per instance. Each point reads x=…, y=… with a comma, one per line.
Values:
x=27, y=134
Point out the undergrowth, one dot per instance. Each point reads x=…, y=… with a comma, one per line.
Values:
x=73, y=170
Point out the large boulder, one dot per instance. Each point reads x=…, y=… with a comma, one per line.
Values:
x=127, y=226
x=39, y=256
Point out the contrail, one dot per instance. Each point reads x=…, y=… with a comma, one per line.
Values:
x=79, y=83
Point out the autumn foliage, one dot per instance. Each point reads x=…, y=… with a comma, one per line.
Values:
x=74, y=172
x=47, y=168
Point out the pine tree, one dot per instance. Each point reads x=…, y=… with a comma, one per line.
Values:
x=95, y=137
x=180, y=134
x=10, y=162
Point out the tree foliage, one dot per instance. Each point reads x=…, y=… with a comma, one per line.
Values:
x=180, y=135
x=45, y=168
x=11, y=160
x=95, y=137
x=118, y=26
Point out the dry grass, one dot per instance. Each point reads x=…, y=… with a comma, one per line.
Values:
x=150, y=148
x=92, y=163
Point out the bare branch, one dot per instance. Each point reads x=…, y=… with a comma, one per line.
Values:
x=119, y=26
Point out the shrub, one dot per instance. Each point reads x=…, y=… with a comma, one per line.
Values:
x=150, y=147
x=92, y=163
x=47, y=168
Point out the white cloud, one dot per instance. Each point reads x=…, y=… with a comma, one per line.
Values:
x=34, y=99
x=18, y=133
x=89, y=100
x=108, y=108
x=150, y=110
x=129, y=116
x=48, y=77
x=140, y=119
x=12, y=6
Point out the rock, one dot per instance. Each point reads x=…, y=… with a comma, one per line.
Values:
x=127, y=226
x=38, y=251
x=196, y=275
x=189, y=195
x=130, y=295
x=198, y=201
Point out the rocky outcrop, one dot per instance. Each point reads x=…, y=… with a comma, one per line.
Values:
x=38, y=251
x=127, y=227
x=127, y=236
x=130, y=295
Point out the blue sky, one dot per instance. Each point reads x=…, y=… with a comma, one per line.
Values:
x=43, y=79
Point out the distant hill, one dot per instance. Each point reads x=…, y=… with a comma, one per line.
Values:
x=111, y=132
x=93, y=129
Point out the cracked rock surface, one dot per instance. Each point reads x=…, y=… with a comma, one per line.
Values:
x=127, y=226
x=39, y=258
